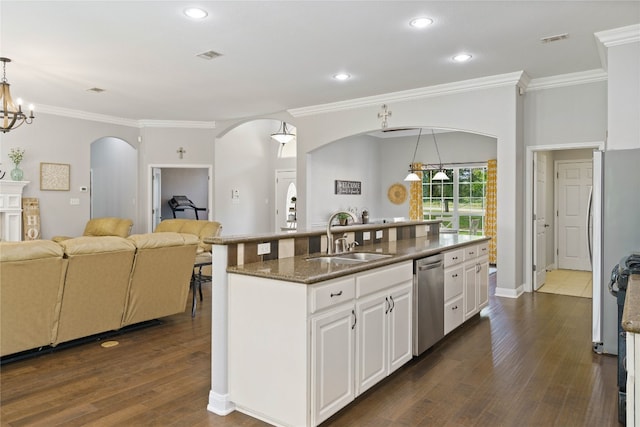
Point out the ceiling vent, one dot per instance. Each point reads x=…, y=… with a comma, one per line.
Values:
x=555, y=38
x=209, y=55
x=96, y=90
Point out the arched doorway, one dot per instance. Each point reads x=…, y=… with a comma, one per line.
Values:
x=114, y=179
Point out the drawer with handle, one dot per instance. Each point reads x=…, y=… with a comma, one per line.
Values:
x=332, y=293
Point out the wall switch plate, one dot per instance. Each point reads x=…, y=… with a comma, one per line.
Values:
x=74, y=201
x=366, y=235
x=264, y=248
x=379, y=234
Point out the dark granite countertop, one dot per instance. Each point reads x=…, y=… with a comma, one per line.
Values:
x=299, y=269
x=631, y=313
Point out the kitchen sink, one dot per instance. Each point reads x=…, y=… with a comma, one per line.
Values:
x=349, y=258
x=363, y=256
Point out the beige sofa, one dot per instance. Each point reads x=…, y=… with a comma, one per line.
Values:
x=106, y=226
x=54, y=292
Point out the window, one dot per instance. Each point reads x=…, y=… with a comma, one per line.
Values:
x=460, y=202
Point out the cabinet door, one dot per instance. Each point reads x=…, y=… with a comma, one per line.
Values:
x=453, y=315
x=470, y=289
x=371, y=338
x=400, y=327
x=332, y=361
x=483, y=282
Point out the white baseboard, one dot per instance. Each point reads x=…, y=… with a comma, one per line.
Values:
x=220, y=404
x=509, y=292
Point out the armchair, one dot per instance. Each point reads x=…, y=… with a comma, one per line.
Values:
x=107, y=226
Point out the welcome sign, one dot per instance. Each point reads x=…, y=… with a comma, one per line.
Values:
x=348, y=187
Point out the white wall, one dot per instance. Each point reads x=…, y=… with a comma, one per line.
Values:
x=566, y=114
x=190, y=182
x=624, y=96
x=56, y=139
x=351, y=159
x=245, y=160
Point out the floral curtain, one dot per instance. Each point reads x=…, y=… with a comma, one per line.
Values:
x=491, y=214
x=415, y=195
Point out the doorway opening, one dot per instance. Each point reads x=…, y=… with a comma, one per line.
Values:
x=191, y=181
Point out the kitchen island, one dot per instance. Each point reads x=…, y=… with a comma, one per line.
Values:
x=294, y=340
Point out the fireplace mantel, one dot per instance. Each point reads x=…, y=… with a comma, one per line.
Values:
x=11, y=209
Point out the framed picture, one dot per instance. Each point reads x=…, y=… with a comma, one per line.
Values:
x=54, y=176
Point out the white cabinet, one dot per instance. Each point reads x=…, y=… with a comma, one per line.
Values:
x=466, y=283
x=384, y=311
x=296, y=352
x=332, y=361
x=384, y=332
x=476, y=279
x=453, y=289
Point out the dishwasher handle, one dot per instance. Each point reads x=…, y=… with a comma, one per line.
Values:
x=431, y=266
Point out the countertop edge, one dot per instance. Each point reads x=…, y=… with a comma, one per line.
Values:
x=631, y=312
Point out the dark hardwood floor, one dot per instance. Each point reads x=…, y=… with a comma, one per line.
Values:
x=524, y=362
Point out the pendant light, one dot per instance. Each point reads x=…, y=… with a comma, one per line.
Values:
x=413, y=176
x=283, y=135
x=441, y=175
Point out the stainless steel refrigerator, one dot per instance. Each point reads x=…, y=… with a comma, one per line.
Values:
x=616, y=233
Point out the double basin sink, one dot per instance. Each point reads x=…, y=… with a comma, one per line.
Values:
x=349, y=258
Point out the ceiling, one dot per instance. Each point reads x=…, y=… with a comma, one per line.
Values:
x=279, y=55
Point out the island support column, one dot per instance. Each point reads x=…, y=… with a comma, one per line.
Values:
x=219, y=402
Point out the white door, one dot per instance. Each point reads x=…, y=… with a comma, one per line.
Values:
x=400, y=327
x=333, y=347
x=371, y=342
x=285, y=189
x=156, y=192
x=573, y=188
x=540, y=223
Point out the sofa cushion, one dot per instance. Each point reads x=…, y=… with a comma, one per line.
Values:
x=164, y=239
x=32, y=249
x=108, y=226
x=200, y=228
x=91, y=245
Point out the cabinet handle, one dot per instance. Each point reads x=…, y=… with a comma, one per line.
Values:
x=355, y=319
x=455, y=307
x=454, y=275
x=393, y=302
x=386, y=310
x=478, y=268
x=337, y=294
x=454, y=258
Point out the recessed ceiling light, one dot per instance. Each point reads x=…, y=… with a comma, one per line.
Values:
x=342, y=76
x=96, y=90
x=421, y=22
x=195, y=13
x=462, y=57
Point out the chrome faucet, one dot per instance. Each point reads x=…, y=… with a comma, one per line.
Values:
x=329, y=235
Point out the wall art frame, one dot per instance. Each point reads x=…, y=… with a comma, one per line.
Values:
x=55, y=176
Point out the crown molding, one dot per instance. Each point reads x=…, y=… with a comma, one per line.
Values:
x=103, y=118
x=83, y=115
x=615, y=37
x=176, y=124
x=571, y=79
x=509, y=79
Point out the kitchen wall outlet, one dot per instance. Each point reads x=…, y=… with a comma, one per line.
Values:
x=74, y=201
x=83, y=189
x=264, y=248
x=378, y=234
x=366, y=235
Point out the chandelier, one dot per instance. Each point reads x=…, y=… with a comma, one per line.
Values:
x=12, y=116
x=413, y=176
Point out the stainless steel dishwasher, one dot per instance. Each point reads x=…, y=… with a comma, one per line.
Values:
x=428, y=297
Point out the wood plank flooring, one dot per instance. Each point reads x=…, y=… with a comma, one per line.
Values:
x=524, y=362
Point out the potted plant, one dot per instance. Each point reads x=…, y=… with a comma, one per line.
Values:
x=16, y=155
x=343, y=218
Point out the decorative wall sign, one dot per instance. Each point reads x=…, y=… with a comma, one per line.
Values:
x=54, y=176
x=31, y=218
x=348, y=187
